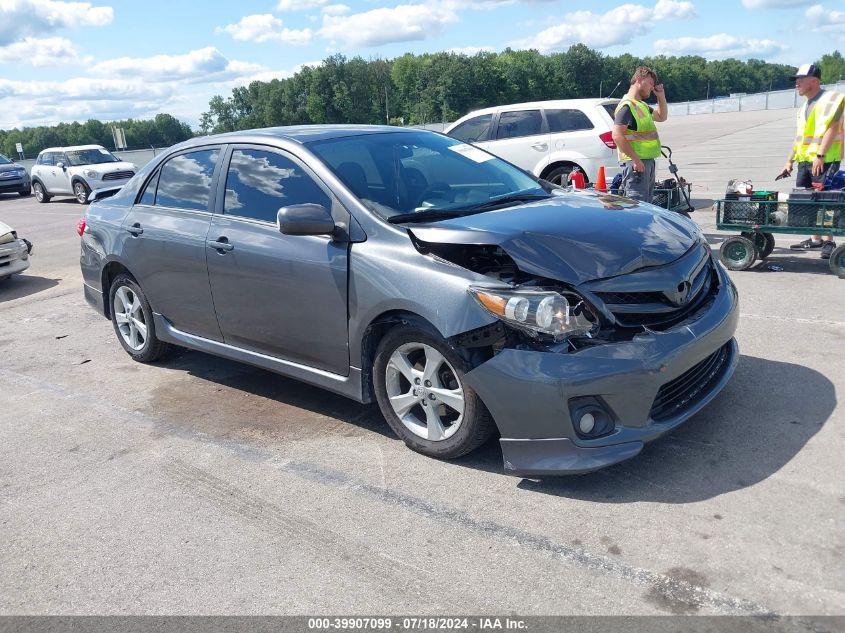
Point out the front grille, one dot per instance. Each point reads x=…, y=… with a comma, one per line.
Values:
x=678, y=395
x=118, y=175
x=655, y=310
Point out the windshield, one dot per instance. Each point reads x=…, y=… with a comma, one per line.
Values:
x=407, y=173
x=90, y=157
x=4, y=160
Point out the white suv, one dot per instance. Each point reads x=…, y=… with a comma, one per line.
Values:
x=547, y=138
x=75, y=171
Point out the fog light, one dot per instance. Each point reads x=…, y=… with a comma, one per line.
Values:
x=587, y=423
x=591, y=417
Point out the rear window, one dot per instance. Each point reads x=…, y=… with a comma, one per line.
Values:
x=568, y=121
x=611, y=109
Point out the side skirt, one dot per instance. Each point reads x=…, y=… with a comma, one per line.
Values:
x=349, y=386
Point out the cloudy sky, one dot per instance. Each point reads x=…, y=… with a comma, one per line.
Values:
x=66, y=61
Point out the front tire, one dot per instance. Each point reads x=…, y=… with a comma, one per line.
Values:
x=40, y=193
x=420, y=388
x=80, y=192
x=132, y=319
x=738, y=253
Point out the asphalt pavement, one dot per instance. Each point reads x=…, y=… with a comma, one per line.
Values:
x=202, y=486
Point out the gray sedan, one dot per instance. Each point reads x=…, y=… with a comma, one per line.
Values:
x=466, y=297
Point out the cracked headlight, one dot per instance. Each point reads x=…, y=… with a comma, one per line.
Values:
x=559, y=314
x=90, y=173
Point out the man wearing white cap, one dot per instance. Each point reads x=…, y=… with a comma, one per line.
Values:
x=818, y=142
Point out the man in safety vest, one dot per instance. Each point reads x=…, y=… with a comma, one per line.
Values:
x=818, y=141
x=635, y=134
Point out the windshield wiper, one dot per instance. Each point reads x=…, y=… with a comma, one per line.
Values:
x=423, y=216
x=509, y=199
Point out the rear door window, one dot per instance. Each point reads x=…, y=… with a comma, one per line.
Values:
x=568, y=121
x=185, y=180
x=519, y=123
x=474, y=130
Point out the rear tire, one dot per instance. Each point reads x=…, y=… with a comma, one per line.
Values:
x=763, y=242
x=132, y=319
x=559, y=175
x=420, y=388
x=40, y=192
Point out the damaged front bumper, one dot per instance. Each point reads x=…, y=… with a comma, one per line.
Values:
x=648, y=386
x=14, y=257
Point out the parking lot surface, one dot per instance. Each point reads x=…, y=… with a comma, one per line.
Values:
x=202, y=486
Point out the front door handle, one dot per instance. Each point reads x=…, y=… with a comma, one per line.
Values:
x=541, y=147
x=135, y=229
x=221, y=244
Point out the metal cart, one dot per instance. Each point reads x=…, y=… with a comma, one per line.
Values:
x=759, y=220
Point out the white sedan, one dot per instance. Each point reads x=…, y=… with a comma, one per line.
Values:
x=14, y=252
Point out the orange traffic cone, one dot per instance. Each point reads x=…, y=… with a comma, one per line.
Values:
x=601, y=182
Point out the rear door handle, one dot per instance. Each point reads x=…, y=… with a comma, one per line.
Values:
x=221, y=244
x=135, y=229
x=542, y=147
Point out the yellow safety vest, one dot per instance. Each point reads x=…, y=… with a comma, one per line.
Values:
x=645, y=141
x=811, y=129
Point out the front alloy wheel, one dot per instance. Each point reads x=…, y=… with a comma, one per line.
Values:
x=419, y=384
x=40, y=193
x=424, y=392
x=80, y=192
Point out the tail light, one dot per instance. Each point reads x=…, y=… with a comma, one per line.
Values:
x=80, y=226
x=607, y=139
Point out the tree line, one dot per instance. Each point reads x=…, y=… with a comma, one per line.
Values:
x=161, y=131
x=432, y=87
x=440, y=87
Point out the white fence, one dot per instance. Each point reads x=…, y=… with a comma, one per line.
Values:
x=775, y=100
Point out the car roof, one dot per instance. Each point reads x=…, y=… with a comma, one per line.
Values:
x=552, y=103
x=71, y=148
x=297, y=133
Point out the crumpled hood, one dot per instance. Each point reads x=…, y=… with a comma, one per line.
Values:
x=573, y=237
x=11, y=167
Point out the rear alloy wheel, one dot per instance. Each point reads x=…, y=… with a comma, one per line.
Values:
x=738, y=253
x=837, y=261
x=132, y=319
x=80, y=192
x=559, y=175
x=40, y=192
x=420, y=388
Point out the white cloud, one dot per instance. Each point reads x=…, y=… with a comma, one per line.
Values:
x=826, y=21
x=719, y=46
x=22, y=18
x=599, y=30
x=403, y=23
x=471, y=50
x=299, y=5
x=51, y=51
x=202, y=65
x=336, y=9
x=774, y=4
x=84, y=89
x=265, y=27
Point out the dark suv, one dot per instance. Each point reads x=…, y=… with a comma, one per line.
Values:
x=463, y=295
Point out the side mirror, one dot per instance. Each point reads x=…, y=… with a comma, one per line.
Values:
x=60, y=165
x=306, y=219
